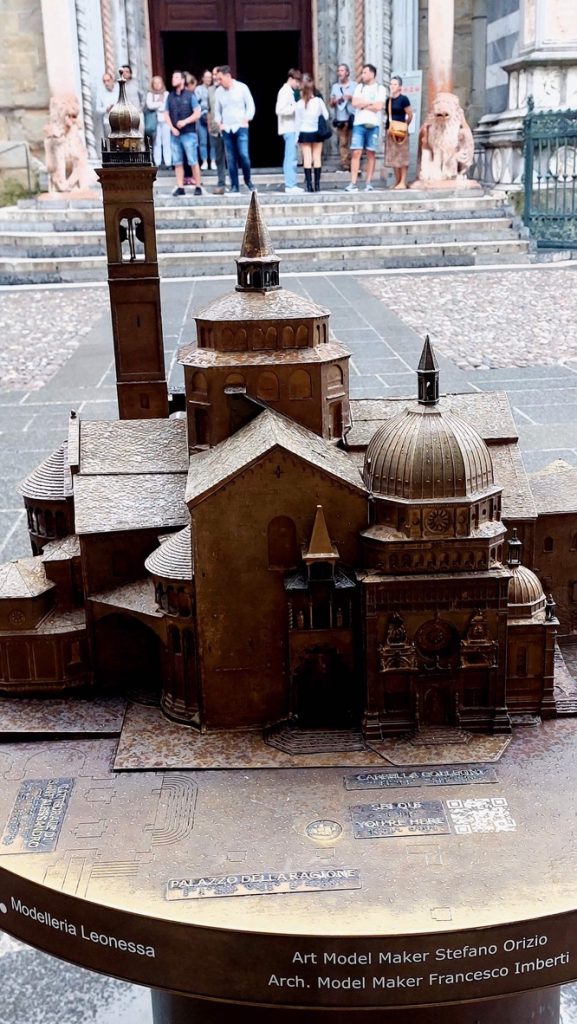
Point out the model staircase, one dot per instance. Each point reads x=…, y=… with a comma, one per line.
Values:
x=62, y=240
x=439, y=735
x=291, y=740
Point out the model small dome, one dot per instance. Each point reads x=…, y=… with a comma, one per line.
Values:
x=124, y=117
x=424, y=454
x=526, y=595
x=173, y=559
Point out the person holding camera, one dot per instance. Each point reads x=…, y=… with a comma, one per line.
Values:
x=341, y=101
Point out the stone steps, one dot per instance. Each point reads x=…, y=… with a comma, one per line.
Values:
x=306, y=235
x=314, y=741
x=60, y=240
x=326, y=259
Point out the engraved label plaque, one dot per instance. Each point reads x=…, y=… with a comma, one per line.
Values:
x=407, y=778
x=262, y=883
x=406, y=818
x=36, y=819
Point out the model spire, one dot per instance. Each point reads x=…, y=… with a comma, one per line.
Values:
x=126, y=143
x=428, y=374
x=320, y=548
x=257, y=265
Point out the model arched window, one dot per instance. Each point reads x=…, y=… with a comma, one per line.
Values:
x=288, y=336
x=335, y=380
x=131, y=235
x=302, y=336
x=282, y=543
x=267, y=387
x=548, y=544
x=300, y=385
x=271, y=336
x=200, y=383
x=234, y=380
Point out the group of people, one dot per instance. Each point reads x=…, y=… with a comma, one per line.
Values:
x=192, y=126
x=303, y=119
x=195, y=125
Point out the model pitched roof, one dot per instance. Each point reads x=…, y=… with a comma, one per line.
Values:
x=489, y=412
x=555, y=487
x=103, y=504
x=133, y=446
x=24, y=577
x=212, y=469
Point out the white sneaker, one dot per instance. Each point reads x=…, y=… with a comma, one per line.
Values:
x=204, y=166
x=369, y=187
x=294, y=188
x=351, y=188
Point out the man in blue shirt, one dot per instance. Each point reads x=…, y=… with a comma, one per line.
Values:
x=182, y=113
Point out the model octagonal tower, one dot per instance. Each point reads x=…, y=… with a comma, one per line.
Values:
x=267, y=343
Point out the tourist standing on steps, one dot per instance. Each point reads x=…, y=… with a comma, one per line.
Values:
x=204, y=140
x=182, y=113
x=216, y=139
x=156, y=102
x=286, y=101
x=106, y=97
x=397, y=140
x=341, y=100
x=234, y=111
x=368, y=102
x=309, y=109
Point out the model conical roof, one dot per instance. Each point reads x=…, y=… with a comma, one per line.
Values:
x=173, y=559
x=256, y=242
x=320, y=545
x=50, y=481
x=428, y=360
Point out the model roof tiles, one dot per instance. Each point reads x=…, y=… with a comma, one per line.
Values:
x=212, y=469
x=555, y=487
x=51, y=480
x=24, y=577
x=133, y=446
x=488, y=412
x=274, y=305
x=172, y=560
x=104, y=504
x=203, y=357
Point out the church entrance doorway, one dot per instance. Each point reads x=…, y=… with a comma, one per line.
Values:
x=262, y=60
x=324, y=688
x=437, y=706
x=128, y=659
x=193, y=51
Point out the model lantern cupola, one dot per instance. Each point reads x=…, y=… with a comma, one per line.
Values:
x=268, y=343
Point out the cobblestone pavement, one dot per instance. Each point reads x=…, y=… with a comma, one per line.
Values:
x=41, y=330
x=491, y=319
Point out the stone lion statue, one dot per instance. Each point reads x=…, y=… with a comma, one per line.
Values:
x=64, y=147
x=446, y=141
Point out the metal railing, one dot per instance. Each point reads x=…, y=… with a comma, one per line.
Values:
x=550, y=176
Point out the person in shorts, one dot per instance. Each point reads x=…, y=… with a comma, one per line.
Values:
x=182, y=113
x=368, y=101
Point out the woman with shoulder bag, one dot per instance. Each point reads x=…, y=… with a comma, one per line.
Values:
x=399, y=117
x=312, y=126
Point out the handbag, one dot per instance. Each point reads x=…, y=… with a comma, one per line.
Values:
x=397, y=130
x=324, y=130
x=150, y=122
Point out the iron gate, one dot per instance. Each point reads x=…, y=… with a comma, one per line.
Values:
x=550, y=176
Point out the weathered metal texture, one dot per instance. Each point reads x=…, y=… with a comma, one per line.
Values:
x=550, y=176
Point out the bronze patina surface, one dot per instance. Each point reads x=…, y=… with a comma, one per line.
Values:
x=485, y=909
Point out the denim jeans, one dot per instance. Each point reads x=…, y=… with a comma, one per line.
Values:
x=204, y=142
x=236, y=145
x=289, y=165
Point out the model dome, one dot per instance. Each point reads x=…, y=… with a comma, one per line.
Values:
x=424, y=454
x=526, y=595
x=124, y=117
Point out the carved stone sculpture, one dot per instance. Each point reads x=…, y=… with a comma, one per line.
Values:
x=64, y=147
x=446, y=142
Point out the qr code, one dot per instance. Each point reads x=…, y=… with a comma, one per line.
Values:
x=484, y=815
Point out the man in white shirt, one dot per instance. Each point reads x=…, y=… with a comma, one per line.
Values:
x=368, y=101
x=286, y=102
x=234, y=109
x=341, y=100
x=106, y=97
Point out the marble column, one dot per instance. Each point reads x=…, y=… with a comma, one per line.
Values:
x=479, y=53
x=60, y=46
x=441, y=31
x=405, y=39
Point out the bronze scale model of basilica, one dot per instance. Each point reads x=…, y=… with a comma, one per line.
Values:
x=263, y=549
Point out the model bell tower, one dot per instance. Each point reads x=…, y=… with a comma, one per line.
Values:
x=127, y=179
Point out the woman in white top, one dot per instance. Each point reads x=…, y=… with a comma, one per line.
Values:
x=307, y=112
x=156, y=100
